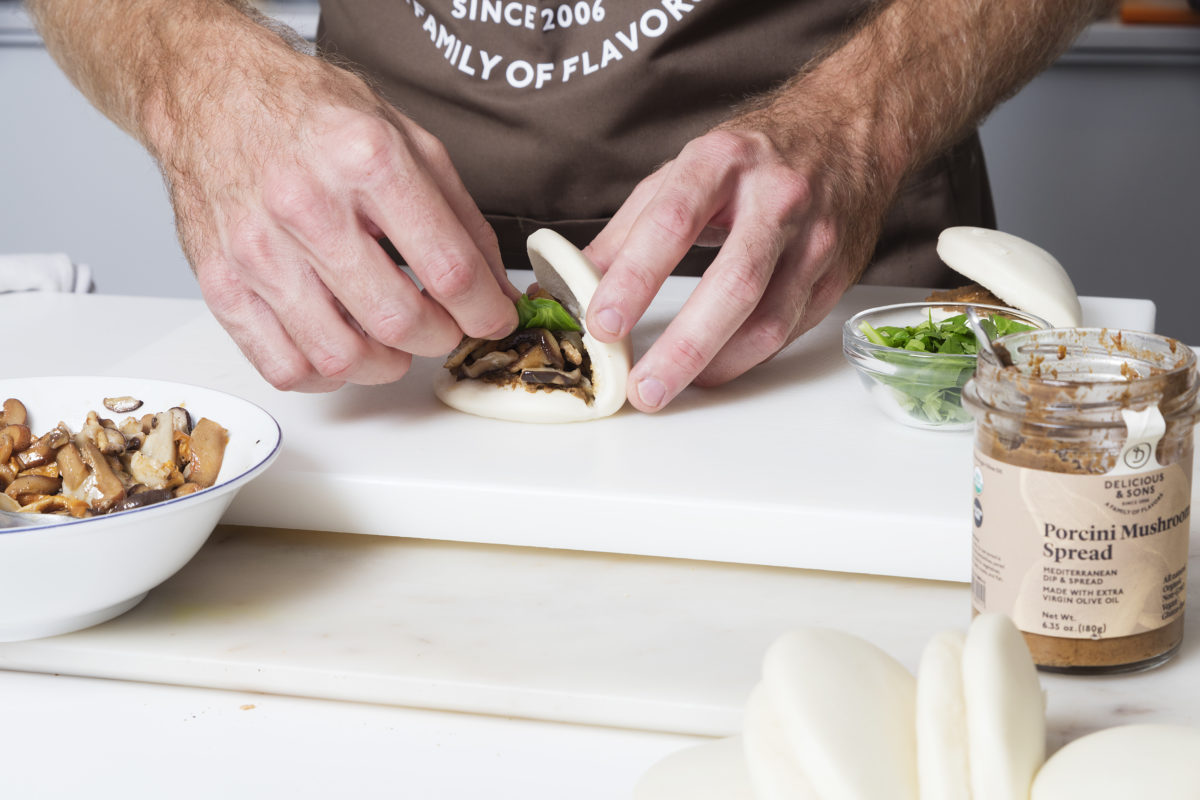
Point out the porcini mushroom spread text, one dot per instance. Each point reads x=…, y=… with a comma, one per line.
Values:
x=544, y=353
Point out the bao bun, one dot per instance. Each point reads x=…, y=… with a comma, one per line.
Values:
x=836, y=718
x=1019, y=272
x=1144, y=760
x=571, y=277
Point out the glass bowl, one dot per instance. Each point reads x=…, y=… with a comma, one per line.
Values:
x=916, y=388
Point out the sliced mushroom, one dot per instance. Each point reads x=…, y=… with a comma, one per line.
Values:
x=207, y=452
x=58, y=436
x=38, y=453
x=467, y=346
x=131, y=429
x=155, y=463
x=13, y=439
x=72, y=470
x=548, y=346
x=8, y=504
x=110, y=441
x=551, y=377
x=181, y=420
x=106, y=437
x=183, y=449
x=102, y=488
x=28, y=488
x=42, y=450
x=91, y=426
x=57, y=504
x=572, y=346
x=123, y=404
x=14, y=412
x=49, y=470
x=497, y=359
x=19, y=435
x=146, y=498
x=533, y=358
x=121, y=470
x=481, y=349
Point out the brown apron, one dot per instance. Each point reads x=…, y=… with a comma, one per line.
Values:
x=553, y=111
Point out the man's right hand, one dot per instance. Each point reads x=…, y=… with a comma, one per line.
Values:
x=286, y=172
x=284, y=182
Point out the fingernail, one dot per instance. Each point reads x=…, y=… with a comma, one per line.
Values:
x=652, y=391
x=503, y=332
x=609, y=320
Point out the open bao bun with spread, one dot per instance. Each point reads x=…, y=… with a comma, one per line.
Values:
x=1014, y=271
x=544, y=371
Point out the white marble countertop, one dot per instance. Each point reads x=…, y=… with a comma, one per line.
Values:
x=64, y=738
x=314, y=665
x=605, y=640
x=506, y=671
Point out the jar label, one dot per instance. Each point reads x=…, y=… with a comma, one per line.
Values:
x=1082, y=556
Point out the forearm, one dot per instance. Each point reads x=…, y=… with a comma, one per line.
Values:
x=284, y=171
x=920, y=74
x=146, y=63
x=799, y=181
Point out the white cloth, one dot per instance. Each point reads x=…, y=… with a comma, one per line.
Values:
x=43, y=272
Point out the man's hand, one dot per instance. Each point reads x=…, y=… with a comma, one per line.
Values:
x=280, y=216
x=795, y=227
x=798, y=186
x=286, y=172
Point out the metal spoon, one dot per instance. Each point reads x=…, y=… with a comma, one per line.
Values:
x=28, y=519
x=998, y=351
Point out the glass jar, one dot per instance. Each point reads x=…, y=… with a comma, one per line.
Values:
x=1082, y=494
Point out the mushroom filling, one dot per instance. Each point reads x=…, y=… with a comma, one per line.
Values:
x=533, y=358
x=106, y=467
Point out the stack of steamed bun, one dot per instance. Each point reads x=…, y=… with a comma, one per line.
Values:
x=836, y=718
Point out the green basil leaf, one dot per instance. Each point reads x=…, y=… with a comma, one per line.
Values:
x=542, y=312
x=1005, y=326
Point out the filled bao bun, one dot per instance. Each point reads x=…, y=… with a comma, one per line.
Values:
x=571, y=279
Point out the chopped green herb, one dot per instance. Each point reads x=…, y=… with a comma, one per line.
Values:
x=932, y=390
x=542, y=312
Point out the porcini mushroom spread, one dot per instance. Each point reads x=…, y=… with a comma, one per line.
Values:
x=545, y=352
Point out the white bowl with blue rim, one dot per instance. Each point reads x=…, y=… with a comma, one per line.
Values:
x=75, y=574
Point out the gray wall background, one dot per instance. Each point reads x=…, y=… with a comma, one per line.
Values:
x=1097, y=160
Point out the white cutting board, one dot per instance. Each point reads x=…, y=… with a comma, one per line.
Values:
x=791, y=465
